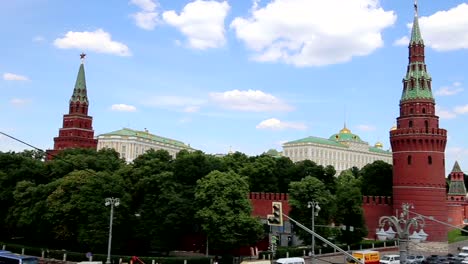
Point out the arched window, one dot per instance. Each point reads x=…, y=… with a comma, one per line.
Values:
x=429, y=160
x=410, y=123
x=409, y=159
x=411, y=110
x=424, y=110
x=426, y=125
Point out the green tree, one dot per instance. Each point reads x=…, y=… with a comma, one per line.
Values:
x=77, y=214
x=311, y=189
x=349, y=209
x=160, y=225
x=69, y=160
x=376, y=179
x=235, y=161
x=261, y=174
x=284, y=171
x=225, y=211
x=17, y=167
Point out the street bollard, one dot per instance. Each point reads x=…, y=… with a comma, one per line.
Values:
x=287, y=254
x=42, y=253
x=22, y=251
x=64, y=256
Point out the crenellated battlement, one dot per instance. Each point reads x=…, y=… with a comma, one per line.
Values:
x=268, y=196
x=376, y=200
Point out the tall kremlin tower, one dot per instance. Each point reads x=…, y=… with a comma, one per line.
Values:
x=77, y=128
x=418, y=144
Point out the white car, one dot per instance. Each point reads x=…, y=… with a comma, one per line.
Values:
x=390, y=259
x=463, y=252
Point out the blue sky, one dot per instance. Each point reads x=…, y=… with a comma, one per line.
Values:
x=246, y=75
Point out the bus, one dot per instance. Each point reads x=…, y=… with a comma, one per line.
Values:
x=12, y=258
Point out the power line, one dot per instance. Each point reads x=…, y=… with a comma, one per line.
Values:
x=44, y=152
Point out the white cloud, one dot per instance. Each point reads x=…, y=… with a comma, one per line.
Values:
x=147, y=18
x=18, y=102
x=123, y=108
x=445, y=114
x=313, y=32
x=202, y=22
x=449, y=90
x=250, y=100
x=97, y=41
x=7, y=76
x=276, y=124
x=366, y=128
x=461, y=109
x=191, y=109
x=446, y=30
x=403, y=41
x=145, y=5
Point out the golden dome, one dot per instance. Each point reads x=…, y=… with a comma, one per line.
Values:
x=394, y=127
x=345, y=130
x=378, y=145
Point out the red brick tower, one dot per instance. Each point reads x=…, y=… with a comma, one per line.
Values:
x=418, y=144
x=77, y=129
x=457, y=190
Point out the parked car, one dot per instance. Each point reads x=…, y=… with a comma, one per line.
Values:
x=416, y=259
x=463, y=252
x=390, y=259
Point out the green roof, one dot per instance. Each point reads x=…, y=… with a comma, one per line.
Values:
x=379, y=150
x=416, y=37
x=127, y=132
x=417, y=80
x=345, y=135
x=79, y=93
x=456, y=167
x=317, y=140
x=338, y=140
x=457, y=188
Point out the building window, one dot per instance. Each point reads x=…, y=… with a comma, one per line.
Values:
x=409, y=159
x=424, y=110
x=429, y=160
x=410, y=123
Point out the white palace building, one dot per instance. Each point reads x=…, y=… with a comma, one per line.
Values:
x=131, y=143
x=343, y=150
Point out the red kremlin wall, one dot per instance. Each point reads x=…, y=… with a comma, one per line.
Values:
x=374, y=207
x=261, y=203
x=457, y=212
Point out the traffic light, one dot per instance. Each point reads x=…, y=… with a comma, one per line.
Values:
x=276, y=219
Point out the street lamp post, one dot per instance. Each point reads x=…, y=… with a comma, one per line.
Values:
x=112, y=202
x=313, y=205
x=403, y=225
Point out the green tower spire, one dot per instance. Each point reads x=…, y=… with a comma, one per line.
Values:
x=456, y=167
x=417, y=82
x=79, y=92
x=416, y=32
